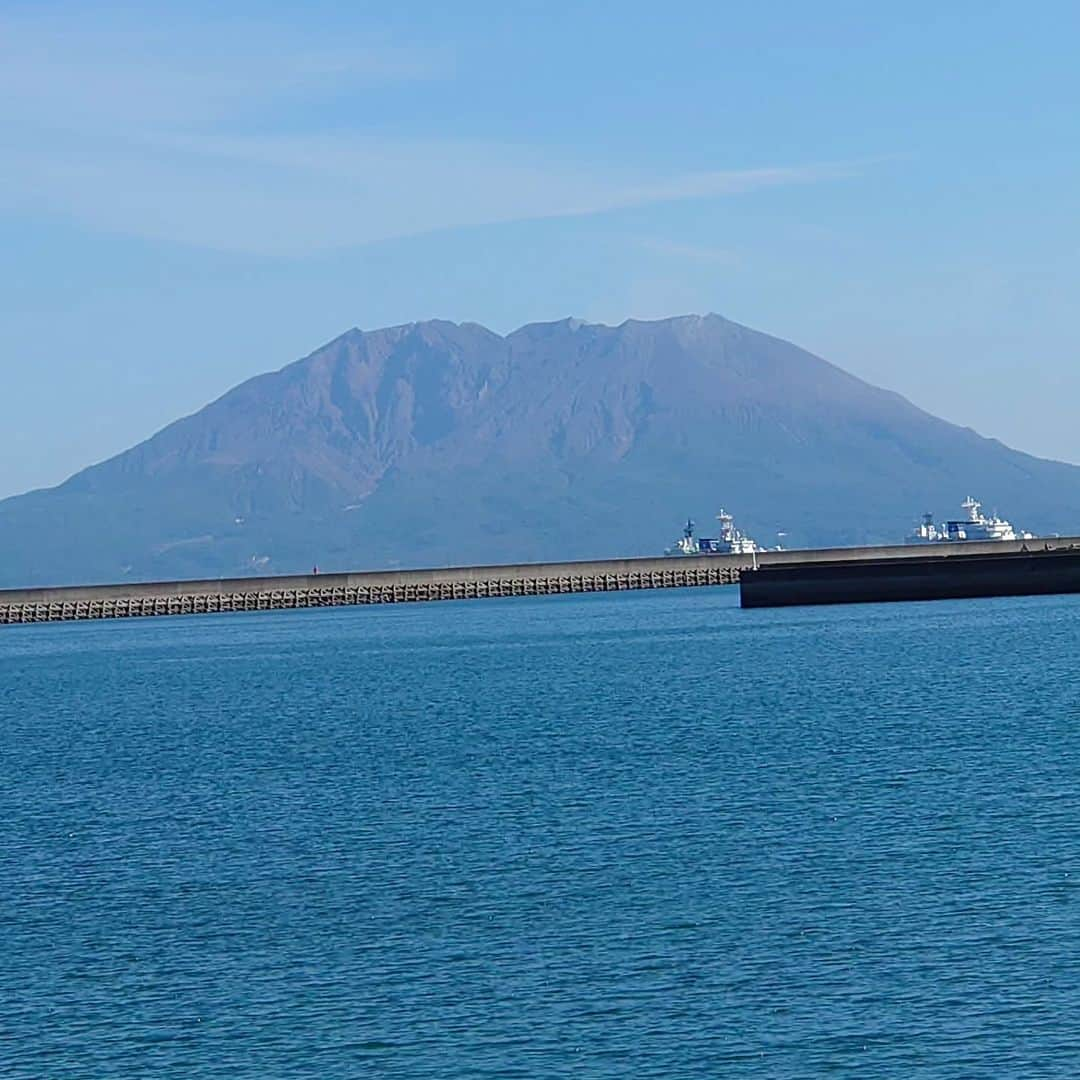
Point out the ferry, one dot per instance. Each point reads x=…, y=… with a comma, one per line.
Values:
x=731, y=540
x=974, y=526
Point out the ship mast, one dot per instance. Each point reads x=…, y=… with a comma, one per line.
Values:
x=727, y=523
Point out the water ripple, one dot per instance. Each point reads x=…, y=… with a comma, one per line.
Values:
x=639, y=835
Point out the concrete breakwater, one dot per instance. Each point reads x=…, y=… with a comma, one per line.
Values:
x=945, y=577
x=449, y=583
x=375, y=587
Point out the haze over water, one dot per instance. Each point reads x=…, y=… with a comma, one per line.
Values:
x=643, y=835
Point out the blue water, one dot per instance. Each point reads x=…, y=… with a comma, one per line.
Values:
x=636, y=835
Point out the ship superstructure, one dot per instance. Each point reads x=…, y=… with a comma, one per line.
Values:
x=973, y=526
x=731, y=540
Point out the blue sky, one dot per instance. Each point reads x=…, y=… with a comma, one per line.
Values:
x=192, y=194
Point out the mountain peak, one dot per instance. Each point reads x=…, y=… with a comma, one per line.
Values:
x=441, y=442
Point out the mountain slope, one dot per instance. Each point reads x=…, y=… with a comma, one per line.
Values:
x=437, y=443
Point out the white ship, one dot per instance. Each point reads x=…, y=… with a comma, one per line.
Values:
x=731, y=540
x=975, y=526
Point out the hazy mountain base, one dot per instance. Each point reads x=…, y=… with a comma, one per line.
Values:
x=439, y=443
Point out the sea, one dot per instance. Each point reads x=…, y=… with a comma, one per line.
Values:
x=619, y=835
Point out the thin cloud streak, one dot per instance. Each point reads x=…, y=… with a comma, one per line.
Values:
x=296, y=196
x=85, y=75
x=674, y=249
x=161, y=133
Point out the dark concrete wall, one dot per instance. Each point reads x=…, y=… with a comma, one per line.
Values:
x=955, y=576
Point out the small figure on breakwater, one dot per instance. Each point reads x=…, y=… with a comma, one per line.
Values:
x=314, y=571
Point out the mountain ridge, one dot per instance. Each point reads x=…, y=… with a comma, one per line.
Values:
x=436, y=442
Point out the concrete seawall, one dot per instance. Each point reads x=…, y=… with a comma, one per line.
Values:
x=448, y=583
x=951, y=577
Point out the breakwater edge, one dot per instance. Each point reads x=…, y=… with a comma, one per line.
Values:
x=272, y=593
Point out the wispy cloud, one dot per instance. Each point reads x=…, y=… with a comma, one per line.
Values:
x=170, y=135
x=91, y=73
x=674, y=249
